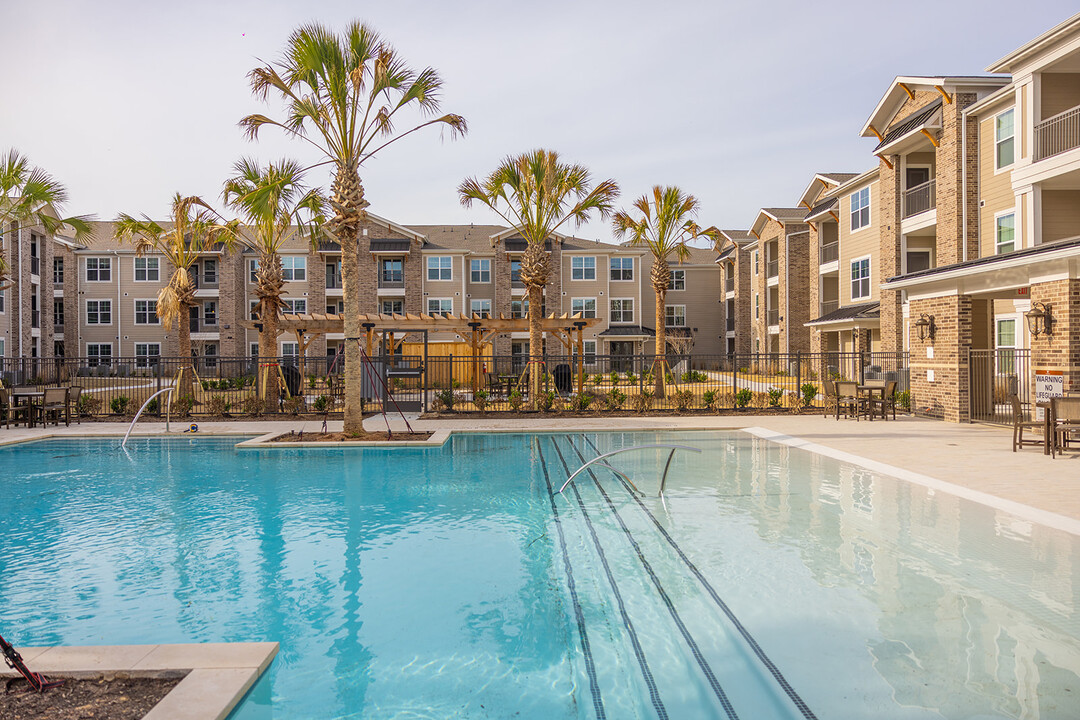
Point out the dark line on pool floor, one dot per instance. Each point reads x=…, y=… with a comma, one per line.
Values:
x=769, y=664
x=695, y=650
x=643, y=664
x=586, y=648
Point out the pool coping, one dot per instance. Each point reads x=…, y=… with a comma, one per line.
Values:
x=218, y=674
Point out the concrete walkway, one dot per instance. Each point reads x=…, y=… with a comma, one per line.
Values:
x=977, y=457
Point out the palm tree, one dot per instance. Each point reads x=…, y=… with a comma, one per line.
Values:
x=29, y=197
x=532, y=193
x=342, y=94
x=195, y=228
x=665, y=226
x=276, y=206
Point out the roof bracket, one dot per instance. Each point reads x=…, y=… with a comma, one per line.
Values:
x=928, y=134
x=886, y=161
x=948, y=100
x=907, y=90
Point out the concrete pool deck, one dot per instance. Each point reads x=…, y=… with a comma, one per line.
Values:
x=976, y=457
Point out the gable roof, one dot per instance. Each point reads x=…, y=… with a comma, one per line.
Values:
x=820, y=184
x=1027, y=52
x=918, y=120
x=897, y=94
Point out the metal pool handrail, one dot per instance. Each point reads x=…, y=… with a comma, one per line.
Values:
x=168, y=409
x=598, y=458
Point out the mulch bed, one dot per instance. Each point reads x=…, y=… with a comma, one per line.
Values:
x=344, y=437
x=105, y=697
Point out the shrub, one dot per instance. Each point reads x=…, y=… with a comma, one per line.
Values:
x=311, y=380
x=252, y=406
x=598, y=378
x=631, y=378
x=744, y=370
x=119, y=404
x=642, y=402
x=447, y=398
x=217, y=405
x=581, y=402
x=782, y=373
x=322, y=403
x=153, y=406
x=903, y=399
x=615, y=399
x=812, y=375
x=809, y=394
x=88, y=405
x=546, y=401
x=683, y=400
x=455, y=384
x=481, y=399
x=293, y=405
x=694, y=376
x=516, y=400
x=614, y=378
x=743, y=397
x=710, y=398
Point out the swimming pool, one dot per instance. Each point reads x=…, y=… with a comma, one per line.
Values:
x=448, y=582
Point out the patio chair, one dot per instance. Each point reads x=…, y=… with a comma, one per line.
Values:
x=10, y=412
x=830, y=397
x=53, y=404
x=1020, y=424
x=1065, y=415
x=886, y=401
x=848, y=401
x=72, y=410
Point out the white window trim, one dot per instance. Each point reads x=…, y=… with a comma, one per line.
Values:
x=135, y=311
x=1017, y=240
x=596, y=308
x=292, y=300
x=869, y=210
x=281, y=349
x=392, y=301
x=293, y=259
x=633, y=310
x=3, y=346
x=100, y=344
x=993, y=128
x=428, y=301
x=428, y=268
x=583, y=268
x=135, y=270
x=86, y=311
x=253, y=267
x=479, y=260
x=145, y=358
x=673, y=307
x=611, y=269
x=869, y=277
x=671, y=278
x=99, y=259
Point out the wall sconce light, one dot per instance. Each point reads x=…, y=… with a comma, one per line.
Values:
x=925, y=327
x=1039, y=319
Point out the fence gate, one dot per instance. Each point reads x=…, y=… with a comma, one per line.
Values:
x=994, y=376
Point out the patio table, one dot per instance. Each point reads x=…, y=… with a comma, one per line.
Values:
x=1048, y=423
x=867, y=393
x=29, y=399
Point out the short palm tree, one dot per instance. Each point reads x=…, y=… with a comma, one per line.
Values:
x=537, y=194
x=30, y=197
x=665, y=226
x=276, y=206
x=343, y=94
x=195, y=228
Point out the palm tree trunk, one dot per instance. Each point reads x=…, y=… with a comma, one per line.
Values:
x=268, y=354
x=347, y=198
x=183, y=348
x=659, y=362
x=536, y=341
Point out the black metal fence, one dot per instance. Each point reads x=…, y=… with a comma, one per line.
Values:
x=229, y=385
x=995, y=376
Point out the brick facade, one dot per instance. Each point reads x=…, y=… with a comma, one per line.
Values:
x=1061, y=349
x=947, y=395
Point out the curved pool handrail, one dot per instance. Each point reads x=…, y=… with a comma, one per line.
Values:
x=598, y=458
x=168, y=410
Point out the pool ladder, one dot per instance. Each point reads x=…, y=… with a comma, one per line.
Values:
x=134, y=420
x=599, y=458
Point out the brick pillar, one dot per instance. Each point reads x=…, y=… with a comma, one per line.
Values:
x=71, y=303
x=794, y=292
x=1061, y=349
x=940, y=383
x=316, y=297
x=951, y=201
x=500, y=266
x=744, y=309
x=231, y=310
x=892, y=314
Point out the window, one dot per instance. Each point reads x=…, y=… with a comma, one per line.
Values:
x=519, y=308
x=337, y=308
x=210, y=272
x=146, y=270
x=860, y=209
x=393, y=307
x=757, y=306
x=585, y=306
x=3, y=297
x=253, y=349
x=756, y=268
x=290, y=351
x=58, y=271
x=583, y=268
x=209, y=310
x=98, y=269
x=1004, y=139
x=678, y=280
x=515, y=272
x=1005, y=238
x=253, y=310
x=146, y=312
x=589, y=354
x=918, y=260
x=439, y=268
x=98, y=354
x=294, y=305
x=440, y=306
x=333, y=275
x=99, y=312
x=675, y=315
x=860, y=278
x=622, y=268
x=3, y=347
x=147, y=354
x=622, y=310
x=1006, y=346
x=294, y=267
x=58, y=313
x=391, y=271
x=480, y=307
x=480, y=270
x=253, y=268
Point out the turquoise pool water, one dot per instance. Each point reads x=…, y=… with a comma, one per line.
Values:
x=447, y=582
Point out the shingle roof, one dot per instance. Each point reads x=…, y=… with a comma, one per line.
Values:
x=870, y=310
x=839, y=178
x=912, y=122
x=737, y=234
x=787, y=214
x=475, y=238
x=628, y=331
x=823, y=206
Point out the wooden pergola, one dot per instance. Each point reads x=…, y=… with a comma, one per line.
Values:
x=568, y=329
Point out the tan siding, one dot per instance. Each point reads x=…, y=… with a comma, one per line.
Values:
x=1061, y=214
x=1060, y=92
x=863, y=242
x=995, y=188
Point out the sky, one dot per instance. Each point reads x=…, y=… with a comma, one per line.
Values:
x=737, y=103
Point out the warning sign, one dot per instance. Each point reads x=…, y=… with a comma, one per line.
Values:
x=1048, y=384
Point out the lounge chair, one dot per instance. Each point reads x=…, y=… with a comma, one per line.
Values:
x=1020, y=424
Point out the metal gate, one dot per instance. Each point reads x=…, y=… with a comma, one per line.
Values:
x=994, y=376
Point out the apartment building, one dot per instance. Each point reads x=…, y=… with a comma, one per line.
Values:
x=736, y=262
x=780, y=281
x=104, y=304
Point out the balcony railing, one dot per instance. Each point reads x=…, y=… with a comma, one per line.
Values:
x=35, y=265
x=391, y=280
x=35, y=317
x=772, y=268
x=515, y=280
x=731, y=324
x=772, y=317
x=921, y=198
x=830, y=252
x=333, y=282
x=828, y=306
x=1057, y=134
x=729, y=284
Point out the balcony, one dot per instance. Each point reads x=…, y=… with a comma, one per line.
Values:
x=828, y=306
x=830, y=252
x=515, y=280
x=772, y=317
x=391, y=280
x=921, y=198
x=334, y=282
x=772, y=268
x=731, y=324
x=1059, y=134
x=35, y=265
x=35, y=317
x=729, y=283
